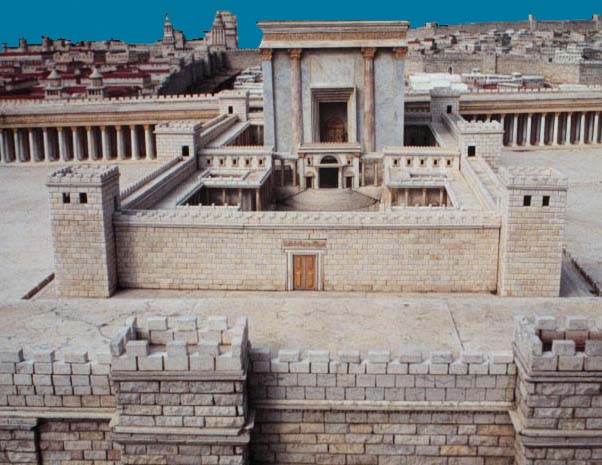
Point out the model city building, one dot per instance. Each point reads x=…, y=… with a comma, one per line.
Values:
x=356, y=156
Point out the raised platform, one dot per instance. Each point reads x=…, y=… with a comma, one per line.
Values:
x=328, y=200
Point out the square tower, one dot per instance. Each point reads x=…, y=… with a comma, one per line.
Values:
x=82, y=201
x=533, y=214
x=177, y=139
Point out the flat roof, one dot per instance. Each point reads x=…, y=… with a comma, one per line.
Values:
x=333, y=34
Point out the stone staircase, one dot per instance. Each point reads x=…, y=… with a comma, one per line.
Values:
x=328, y=200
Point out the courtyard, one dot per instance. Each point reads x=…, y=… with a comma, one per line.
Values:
x=26, y=249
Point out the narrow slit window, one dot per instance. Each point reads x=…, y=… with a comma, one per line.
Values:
x=83, y=197
x=66, y=197
x=545, y=201
x=527, y=201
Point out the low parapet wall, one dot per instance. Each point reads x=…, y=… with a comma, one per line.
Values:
x=195, y=389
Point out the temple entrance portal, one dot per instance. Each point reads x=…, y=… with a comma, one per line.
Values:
x=333, y=122
x=329, y=177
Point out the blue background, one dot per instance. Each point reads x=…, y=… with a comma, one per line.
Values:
x=142, y=20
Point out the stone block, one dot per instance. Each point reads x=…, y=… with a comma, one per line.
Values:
x=151, y=362
x=548, y=323
x=158, y=323
x=349, y=356
x=441, y=356
x=318, y=356
x=379, y=356
x=577, y=323
x=137, y=348
x=124, y=363
x=43, y=356
x=288, y=355
x=76, y=356
x=593, y=347
x=185, y=323
x=201, y=362
x=176, y=348
x=177, y=362
x=226, y=362
x=563, y=347
x=11, y=355
x=217, y=323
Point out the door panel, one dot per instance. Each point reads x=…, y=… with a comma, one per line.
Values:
x=304, y=272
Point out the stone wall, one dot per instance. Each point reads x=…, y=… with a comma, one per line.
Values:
x=193, y=391
x=82, y=442
x=244, y=250
x=242, y=58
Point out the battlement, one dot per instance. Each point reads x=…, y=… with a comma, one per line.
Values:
x=546, y=343
x=178, y=127
x=445, y=92
x=526, y=177
x=82, y=174
x=479, y=127
x=181, y=344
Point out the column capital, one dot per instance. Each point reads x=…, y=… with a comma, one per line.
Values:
x=295, y=53
x=59, y=129
x=266, y=54
x=401, y=52
x=368, y=53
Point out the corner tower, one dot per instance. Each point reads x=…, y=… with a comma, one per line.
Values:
x=82, y=201
x=533, y=210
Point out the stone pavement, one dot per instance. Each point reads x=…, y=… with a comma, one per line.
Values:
x=25, y=246
x=292, y=319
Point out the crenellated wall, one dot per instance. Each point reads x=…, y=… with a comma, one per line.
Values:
x=188, y=390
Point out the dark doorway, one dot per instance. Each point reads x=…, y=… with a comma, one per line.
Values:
x=333, y=122
x=329, y=178
x=348, y=182
x=309, y=182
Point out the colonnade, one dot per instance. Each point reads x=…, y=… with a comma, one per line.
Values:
x=542, y=129
x=80, y=143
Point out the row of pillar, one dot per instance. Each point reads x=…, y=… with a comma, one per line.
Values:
x=541, y=129
x=87, y=143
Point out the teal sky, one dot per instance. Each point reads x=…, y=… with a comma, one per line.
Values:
x=141, y=20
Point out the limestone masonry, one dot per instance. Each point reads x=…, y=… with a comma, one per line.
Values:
x=357, y=157
x=189, y=390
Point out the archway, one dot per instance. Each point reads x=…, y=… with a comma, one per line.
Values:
x=329, y=177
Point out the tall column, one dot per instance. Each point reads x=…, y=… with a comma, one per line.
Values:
x=269, y=136
x=556, y=123
x=77, y=144
x=582, y=129
x=368, y=54
x=90, y=143
x=542, y=130
x=363, y=162
x=296, y=108
x=301, y=170
x=120, y=143
x=106, y=145
x=148, y=142
x=340, y=178
x=568, y=128
x=514, y=129
x=134, y=143
x=596, y=131
x=33, y=155
x=18, y=146
x=3, y=153
x=528, y=138
x=376, y=172
x=62, y=144
x=47, y=145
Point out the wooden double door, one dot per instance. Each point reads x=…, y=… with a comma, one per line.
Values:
x=305, y=273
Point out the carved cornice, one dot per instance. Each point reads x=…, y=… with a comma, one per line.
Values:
x=333, y=35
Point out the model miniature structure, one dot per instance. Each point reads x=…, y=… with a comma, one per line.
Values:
x=437, y=216
x=183, y=389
